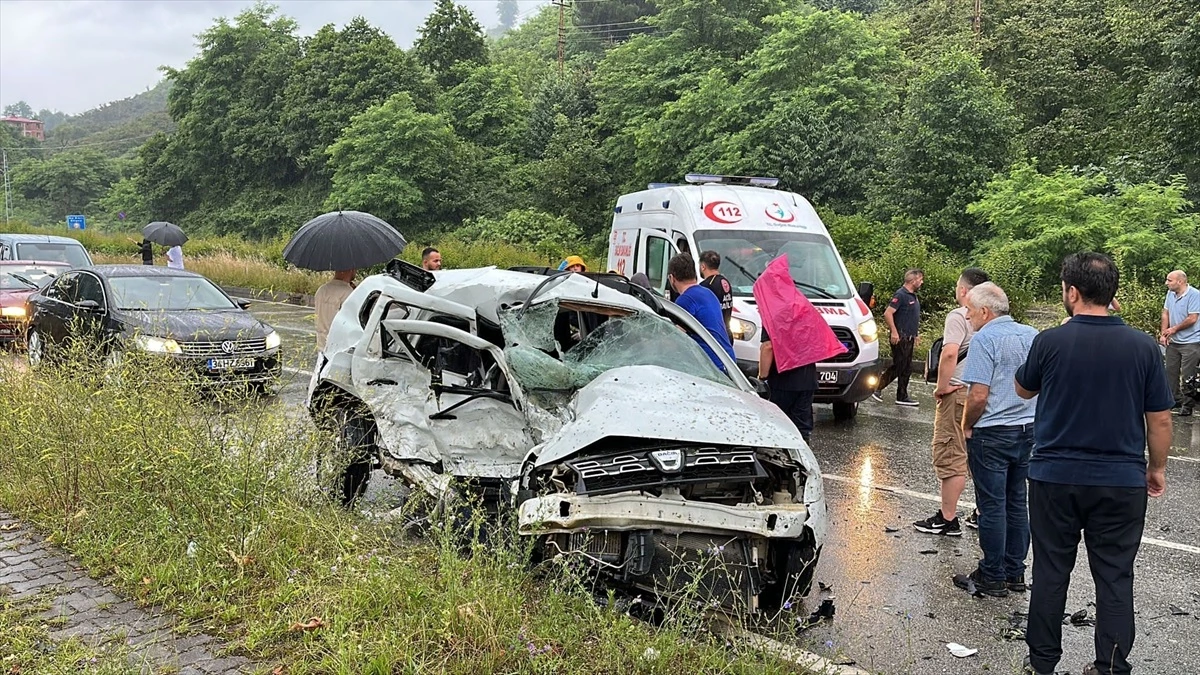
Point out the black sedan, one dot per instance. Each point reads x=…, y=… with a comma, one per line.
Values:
x=178, y=314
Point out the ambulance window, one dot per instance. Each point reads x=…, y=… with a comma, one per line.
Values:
x=658, y=253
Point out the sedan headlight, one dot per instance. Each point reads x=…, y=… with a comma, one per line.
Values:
x=13, y=312
x=157, y=345
x=868, y=330
x=273, y=340
x=741, y=329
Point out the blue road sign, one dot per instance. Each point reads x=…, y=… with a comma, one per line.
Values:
x=76, y=223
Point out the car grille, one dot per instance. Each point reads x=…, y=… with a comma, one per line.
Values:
x=636, y=470
x=224, y=349
x=846, y=337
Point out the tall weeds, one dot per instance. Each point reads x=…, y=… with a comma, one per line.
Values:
x=205, y=502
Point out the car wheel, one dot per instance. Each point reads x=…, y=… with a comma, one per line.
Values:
x=345, y=470
x=844, y=411
x=795, y=567
x=35, y=348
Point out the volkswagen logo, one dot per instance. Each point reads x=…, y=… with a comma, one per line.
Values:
x=228, y=346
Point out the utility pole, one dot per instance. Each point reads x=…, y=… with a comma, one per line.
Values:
x=562, y=31
x=978, y=18
x=7, y=188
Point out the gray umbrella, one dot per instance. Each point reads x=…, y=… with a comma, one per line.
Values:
x=167, y=234
x=343, y=240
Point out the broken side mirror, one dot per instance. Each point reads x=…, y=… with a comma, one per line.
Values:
x=866, y=291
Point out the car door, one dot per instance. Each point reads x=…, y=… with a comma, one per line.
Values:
x=655, y=251
x=88, y=320
x=54, y=314
x=441, y=395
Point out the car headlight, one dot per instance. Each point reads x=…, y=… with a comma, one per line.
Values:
x=158, y=345
x=13, y=312
x=741, y=329
x=868, y=330
x=273, y=340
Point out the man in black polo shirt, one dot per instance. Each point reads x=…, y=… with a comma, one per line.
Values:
x=713, y=280
x=903, y=317
x=1102, y=396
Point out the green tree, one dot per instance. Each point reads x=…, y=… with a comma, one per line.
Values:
x=545, y=233
x=1173, y=105
x=954, y=134
x=507, y=11
x=342, y=73
x=66, y=183
x=400, y=164
x=807, y=109
x=1041, y=218
x=228, y=103
x=19, y=109
x=487, y=108
x=166, y=179
x=570, y=179
x=124, y=197
x=450, y=40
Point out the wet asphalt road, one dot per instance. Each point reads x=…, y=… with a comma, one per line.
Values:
x=897, y=607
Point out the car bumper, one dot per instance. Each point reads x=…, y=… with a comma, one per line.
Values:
x=12, y=331
x=851, y=385
x=568, y=513
x=266, y=368
x=848, y=384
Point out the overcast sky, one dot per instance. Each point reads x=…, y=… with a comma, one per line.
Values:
x=73, y=55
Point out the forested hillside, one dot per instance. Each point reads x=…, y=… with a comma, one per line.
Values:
x=1035, y=128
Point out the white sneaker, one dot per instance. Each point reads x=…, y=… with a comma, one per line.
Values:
x=911, y=403
x=877, y=398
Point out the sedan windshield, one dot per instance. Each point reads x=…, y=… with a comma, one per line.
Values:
x=745, y=254
x=17, y=282
x=165, y=293
x=72, y=254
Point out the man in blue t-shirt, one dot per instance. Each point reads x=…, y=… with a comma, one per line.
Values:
x=1102, y=397
x=1180, y=334
x=700, y=303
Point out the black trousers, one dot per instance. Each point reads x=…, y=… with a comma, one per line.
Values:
x=798, y=406
x=901, y=368
x=1111, y=520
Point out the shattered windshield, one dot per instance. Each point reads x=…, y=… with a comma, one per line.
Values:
x=549, y=349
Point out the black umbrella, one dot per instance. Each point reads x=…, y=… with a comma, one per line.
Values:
x=167, y=234
x=343, y=240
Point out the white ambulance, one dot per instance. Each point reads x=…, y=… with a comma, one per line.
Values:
x=749, y=224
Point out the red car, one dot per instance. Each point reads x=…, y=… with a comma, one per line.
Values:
x=20, y=279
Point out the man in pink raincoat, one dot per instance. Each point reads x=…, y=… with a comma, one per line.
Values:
x=794, y=338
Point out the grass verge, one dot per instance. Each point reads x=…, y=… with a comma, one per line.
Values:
x=204, y=504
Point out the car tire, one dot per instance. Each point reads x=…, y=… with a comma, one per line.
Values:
x=843, y=411
x=795, y=566
x=35, y=348
x=346, y=469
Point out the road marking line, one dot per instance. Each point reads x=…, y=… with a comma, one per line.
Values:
x=298, y=371
x=813, y=663
x=894, y=490
x=1163, y=543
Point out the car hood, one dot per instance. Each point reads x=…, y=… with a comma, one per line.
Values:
x=15, y=298
x=657, y=403
x=197, y=325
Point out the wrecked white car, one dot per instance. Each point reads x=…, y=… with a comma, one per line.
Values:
x=583, y=402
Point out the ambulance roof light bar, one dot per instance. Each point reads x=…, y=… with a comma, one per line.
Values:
x=756, y=181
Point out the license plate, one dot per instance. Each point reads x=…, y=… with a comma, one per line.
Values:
x=231, y=364
x=827, y=377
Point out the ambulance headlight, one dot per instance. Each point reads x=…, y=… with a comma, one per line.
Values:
x=868, y=331
x=741, y=329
